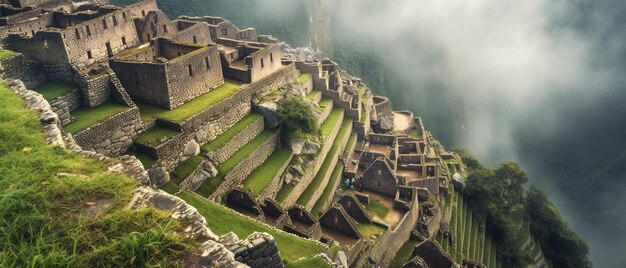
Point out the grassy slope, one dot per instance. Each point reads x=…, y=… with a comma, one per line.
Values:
x=51, y=90
x=87, y=117
x=6, y=53
x=403, y=254
x=191, y=108
x=185, y=169
x=152, y=136
x=261, y=177
x=222, y=221
x=40, y=214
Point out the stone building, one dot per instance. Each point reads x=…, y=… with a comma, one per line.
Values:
x=82, y=38
x=168, y=73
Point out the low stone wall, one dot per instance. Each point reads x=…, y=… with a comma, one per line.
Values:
x=238, y=141
x=272, y=189
x=64, y=104
x=388, y=245
x=113, y=136
x=318, y=192
x=240, y=99
x=96, y=90
x=313, y=167
x=245, y=167
x=257, y=250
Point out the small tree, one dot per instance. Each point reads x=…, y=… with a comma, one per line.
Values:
x=297, y=117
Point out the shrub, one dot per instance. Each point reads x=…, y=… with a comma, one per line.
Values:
x=297, y=117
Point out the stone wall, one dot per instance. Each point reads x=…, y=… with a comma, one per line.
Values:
x=245, y=167
x=432, y=184
x=388, y=245
x=113, y=136
x=96, y=90
x=233, y=108
x=20, y=67
x=264, y=62
x=342, y=145
x=285, y=75
x=314, y=166
x=324, y=113
x=48, y=49
x=238, y=141
x=257, y=250
x=64, y=104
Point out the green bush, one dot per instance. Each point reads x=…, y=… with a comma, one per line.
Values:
x=297, y=117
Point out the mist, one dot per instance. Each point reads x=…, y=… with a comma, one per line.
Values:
x=523, y=77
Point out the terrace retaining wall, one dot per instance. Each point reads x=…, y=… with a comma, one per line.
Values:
x=238, y=141
x=113, y=136
x=64, y=104
x=313, y=167
x=342, y=145
x=388, y=245
x=238, y=174
x=20, y=67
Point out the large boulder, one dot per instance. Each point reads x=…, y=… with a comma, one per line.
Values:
x=158, y=175
x=192, y=148
x=303, y=146
x=386, y=124
x=268, y=110
x=205, y=171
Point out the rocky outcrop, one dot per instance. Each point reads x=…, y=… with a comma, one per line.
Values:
x=210, y=252
x=268, y=110
x=303, y=146
x=205, y=171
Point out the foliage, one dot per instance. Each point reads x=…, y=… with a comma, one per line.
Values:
x=559, y=243
x=42, y=218
x=297, y=117
x=470, y=162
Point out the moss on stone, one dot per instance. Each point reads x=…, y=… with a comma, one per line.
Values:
x=6, y=54
x=192, y=107
x=304, y=78
x=51, y=90
x=86, y=117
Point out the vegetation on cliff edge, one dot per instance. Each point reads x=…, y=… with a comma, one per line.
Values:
x=50, y=206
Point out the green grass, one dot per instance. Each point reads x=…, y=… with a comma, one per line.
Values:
x=414, y=133
x=221, y=140
x=314, y=262
x=329, y=123
x=367, y=230
x=291, y=247
x=146, y=160
x=403, y=254
x=51, y=90
x=304, y=78
x=330, y=160
x=86, y=117
x=191, y=108
x=185, y=169
x=6, y=54
x=351, y=141
x=319, y=208
x=170, y=188
x=314, y=94
x=40, y=210
x=224, y=168
x=377, y=208
x=262, y=176
x=156, y=136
